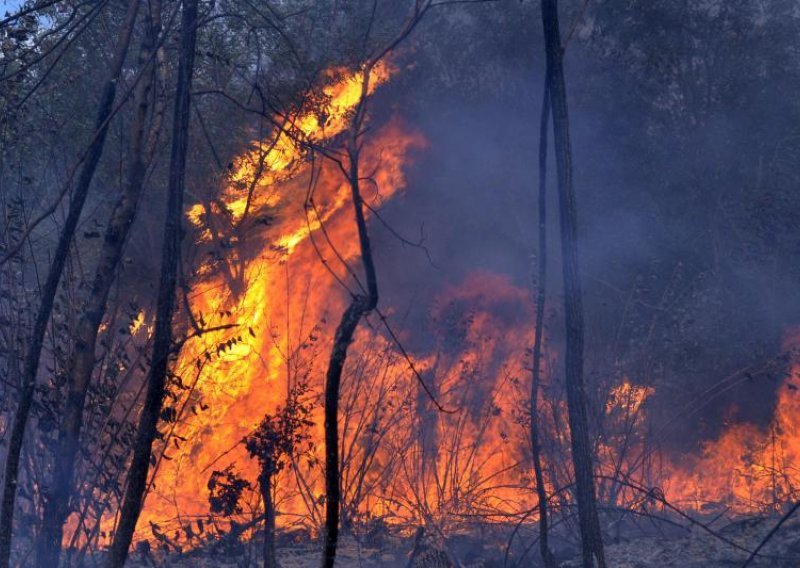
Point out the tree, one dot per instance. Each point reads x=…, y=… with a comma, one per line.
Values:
x=277, y=440
x=541, y=294
x=82, y=356
x=50, y=288
x=165, y=304
x=591, y=537
x=362, y=303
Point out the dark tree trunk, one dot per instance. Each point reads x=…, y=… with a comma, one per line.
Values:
x=82, y=357
x=576, y=396
x=165, y=305
x=541, y=292
x=359, y=306
x=269, y=522
x=50, y=287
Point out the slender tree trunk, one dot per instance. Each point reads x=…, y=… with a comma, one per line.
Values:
x=50, y=287
x=541, y=291
x=592, y=542
x=360, y=306
x=269, y=522
x=82, y=357
x=165, y=305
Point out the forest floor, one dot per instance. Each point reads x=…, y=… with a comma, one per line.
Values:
x=693, y=547
x=698, y=548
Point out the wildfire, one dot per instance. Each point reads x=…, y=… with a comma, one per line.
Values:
x=254, y=175
x=268, y=305
x=137, y=323
x=748, y=468
x=284, y=295
x=627, y=397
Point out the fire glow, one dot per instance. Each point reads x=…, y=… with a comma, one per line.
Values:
x=274, y=301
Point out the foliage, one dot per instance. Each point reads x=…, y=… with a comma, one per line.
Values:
x=283, y=435
x=225, y=492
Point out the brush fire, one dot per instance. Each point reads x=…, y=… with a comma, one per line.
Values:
x=329, y=350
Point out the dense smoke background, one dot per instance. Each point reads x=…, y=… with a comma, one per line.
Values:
x=686, y=151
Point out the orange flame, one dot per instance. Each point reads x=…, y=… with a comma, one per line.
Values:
x=747, y=468
x=271, y=312
x=287, y=293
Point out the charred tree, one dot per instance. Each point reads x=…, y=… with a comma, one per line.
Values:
x=591, y=537
x=536, y=379
x=50, y=288
x=360, y=305
x=165, y=303
x=82, y=357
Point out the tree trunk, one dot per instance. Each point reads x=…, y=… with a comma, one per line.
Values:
x=592, y=542
x=50, y=288
x=82, y=357
x=359, y=306
x=165, y=305
x=541, y=291
x=269, y=522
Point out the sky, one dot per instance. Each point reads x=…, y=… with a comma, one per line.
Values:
x=9, y=5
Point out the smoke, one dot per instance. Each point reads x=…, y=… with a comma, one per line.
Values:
x=684, y=250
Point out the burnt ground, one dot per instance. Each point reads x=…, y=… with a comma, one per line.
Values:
x=645, y=545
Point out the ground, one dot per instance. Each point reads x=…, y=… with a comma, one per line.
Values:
x=667, y=546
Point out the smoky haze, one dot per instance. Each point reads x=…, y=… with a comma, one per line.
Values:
x=688, y=241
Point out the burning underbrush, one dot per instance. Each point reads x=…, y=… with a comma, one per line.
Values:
x=435, y=436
